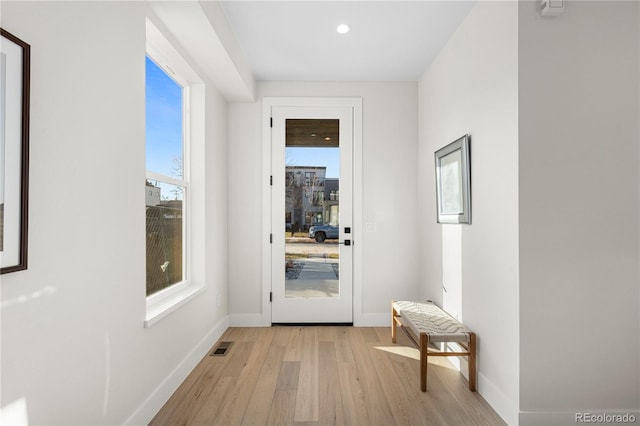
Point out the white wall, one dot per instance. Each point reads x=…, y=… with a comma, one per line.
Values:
x=389, y=195
x=74, y=350
x=472, y=87
x=579, y=205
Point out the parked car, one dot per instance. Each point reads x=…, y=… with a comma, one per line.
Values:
x=322, y=232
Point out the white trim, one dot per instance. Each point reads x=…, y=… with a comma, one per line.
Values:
x=505, y=407
x=187, y=213
x=266, y=211
x=166, y=179
x=161, y=394
x=162, y=303
x=246, y=320
x=167, y=57
x=358, y=213
x=373, y=320
x=163, y=53
x=267, y=104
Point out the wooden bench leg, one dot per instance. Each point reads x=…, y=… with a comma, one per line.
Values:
x=424, y=352
x=472, y=362
x=393, y=323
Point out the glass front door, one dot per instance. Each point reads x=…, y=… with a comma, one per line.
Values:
x=310, y=219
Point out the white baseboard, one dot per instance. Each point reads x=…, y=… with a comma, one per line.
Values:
x=576, y=417
x=362, y=320
x=506, y=408
x=154, y=402
x=372, y=320
x=245, y=320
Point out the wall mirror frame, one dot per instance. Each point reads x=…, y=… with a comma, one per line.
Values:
x=453, y=182
x=14, y=151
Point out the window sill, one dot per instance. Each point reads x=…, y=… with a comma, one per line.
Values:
x=161, y=304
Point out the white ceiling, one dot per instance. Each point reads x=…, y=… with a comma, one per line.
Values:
x=297, y=40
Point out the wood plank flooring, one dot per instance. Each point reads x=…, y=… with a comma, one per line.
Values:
x=322, y=375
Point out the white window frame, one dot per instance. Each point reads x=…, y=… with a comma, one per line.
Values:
x=165, y=301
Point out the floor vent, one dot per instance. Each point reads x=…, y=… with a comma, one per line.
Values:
x=221, y=349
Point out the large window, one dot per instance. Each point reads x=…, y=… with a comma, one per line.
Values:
x=166, y=186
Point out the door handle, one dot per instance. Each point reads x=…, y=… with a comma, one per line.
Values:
x=347, y=230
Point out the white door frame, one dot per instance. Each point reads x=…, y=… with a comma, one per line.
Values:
x=267, y=104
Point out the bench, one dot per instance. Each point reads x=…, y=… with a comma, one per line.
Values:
x=426, y=323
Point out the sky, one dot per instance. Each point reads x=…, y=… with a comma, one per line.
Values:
x=328, y=157
x=163, y=121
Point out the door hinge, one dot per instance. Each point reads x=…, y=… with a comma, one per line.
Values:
x=271, y=180
x=270, y=238
x=271, y=122
x=270, y=296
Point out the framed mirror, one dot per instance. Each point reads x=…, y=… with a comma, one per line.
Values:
x=14, y=151
x=453, y=182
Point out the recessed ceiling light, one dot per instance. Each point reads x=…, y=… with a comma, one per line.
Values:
x=327, y=138
x=343, y=28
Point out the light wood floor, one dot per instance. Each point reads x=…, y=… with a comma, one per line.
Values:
x=322, y=376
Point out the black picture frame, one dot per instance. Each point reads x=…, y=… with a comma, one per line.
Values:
x=15, y=72
x=453, y=182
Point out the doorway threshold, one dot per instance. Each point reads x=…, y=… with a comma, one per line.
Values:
x=312, y=324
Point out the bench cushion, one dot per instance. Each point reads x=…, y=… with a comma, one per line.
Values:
x=430, y=319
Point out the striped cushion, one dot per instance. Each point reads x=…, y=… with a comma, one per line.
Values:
x=430, y=319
